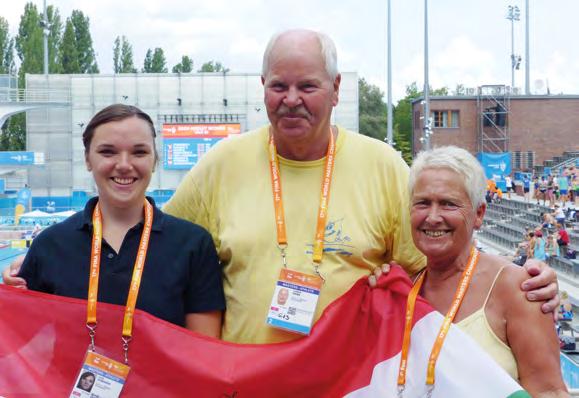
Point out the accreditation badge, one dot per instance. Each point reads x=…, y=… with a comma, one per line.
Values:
x=100, y=377
x=294, y=301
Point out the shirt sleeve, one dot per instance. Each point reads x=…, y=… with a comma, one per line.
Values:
x=194, y=199
x=30, y=270
x=205, y=290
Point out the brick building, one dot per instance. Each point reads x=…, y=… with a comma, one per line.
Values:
x=533, y=128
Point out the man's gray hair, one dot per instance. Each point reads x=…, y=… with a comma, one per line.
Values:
x=327, y=46
x=458, y=160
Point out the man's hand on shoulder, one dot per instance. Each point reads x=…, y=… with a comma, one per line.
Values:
x=542, y=285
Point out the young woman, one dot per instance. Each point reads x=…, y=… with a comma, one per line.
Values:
x=181, y=280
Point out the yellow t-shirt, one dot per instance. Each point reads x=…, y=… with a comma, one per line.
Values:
x=229, y=193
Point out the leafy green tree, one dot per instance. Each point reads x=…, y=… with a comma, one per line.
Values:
x=7, y=65
x=148, y=63
x=402, y=119
x=155, y=61
x=372, y=110
x=29, y=46
x=54, y=38
x=84, y=46
x=159, y=64
x=13, y=137
x=123, y=56
x=68, y=50
x=213, y=66
x=185, y=66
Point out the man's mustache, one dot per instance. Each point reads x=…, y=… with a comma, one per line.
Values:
x=298, y=111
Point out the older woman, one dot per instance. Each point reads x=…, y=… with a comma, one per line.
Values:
x=447, y=187
x=180, y=277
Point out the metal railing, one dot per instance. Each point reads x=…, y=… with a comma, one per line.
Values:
x=19, y=95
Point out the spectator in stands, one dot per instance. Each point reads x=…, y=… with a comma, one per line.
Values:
x=548, y=221
x=526, y=187
x=575, y=189
x=521, y=253
x=551, y=247
x=542, y=190
x=562, y=238
x=498, y=197
x=550, y=191
x=559, y=214
x=446, y=206
x=563, y=183
x=509, y=186
x=536, y=185
x=539, y=246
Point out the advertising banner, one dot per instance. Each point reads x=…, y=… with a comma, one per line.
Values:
x=21, y=158
x=496, y=166
x=185, y=144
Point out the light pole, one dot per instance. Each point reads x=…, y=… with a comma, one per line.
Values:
x=513, y=15
x=45, y=32
x=427, y=129
x=527, y=56
x=389, y=136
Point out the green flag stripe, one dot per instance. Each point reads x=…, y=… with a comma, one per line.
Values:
x=519, y=394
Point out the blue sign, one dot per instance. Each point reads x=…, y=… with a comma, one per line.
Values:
x=184, y=153
x=2, y=185
x=17, y=158
x=496, y=166
x=23, y=197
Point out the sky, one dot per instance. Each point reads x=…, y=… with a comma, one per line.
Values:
x=469, y=41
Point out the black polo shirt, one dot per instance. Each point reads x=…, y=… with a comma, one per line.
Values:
x=182, y=273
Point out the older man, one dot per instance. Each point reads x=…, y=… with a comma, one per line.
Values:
x=265, y=196
x=235, y=193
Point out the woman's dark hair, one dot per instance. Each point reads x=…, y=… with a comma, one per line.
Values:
x=115, y=113
x=86, y=374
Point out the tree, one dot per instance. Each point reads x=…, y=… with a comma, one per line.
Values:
x=28, y=41
x=147, y=64
x=155, y=61
x=54, y=39
x=185, y=66
x=372, y=110
x=402, y=119
x=68, y=50
x=213, y=66
x=84, y=47
x=7, y=65
x=123, y=56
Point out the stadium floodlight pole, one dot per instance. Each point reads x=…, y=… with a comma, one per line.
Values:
x=527, y=59
x=427, y=130
x=45, y=32
x=389, y=137
x=513, y=15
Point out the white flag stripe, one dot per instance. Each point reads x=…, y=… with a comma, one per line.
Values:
x=463, y=368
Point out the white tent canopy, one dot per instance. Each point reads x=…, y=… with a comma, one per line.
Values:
x=36, y=214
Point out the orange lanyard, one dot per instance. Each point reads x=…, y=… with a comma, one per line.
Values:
x=318, y=250
x=448, y=319
x=91, y=316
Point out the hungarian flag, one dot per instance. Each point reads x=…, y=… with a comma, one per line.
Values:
x=353, y=351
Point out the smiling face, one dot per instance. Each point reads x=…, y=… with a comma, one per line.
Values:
x=299, y=94
x=442, y=216
x=121, y=157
